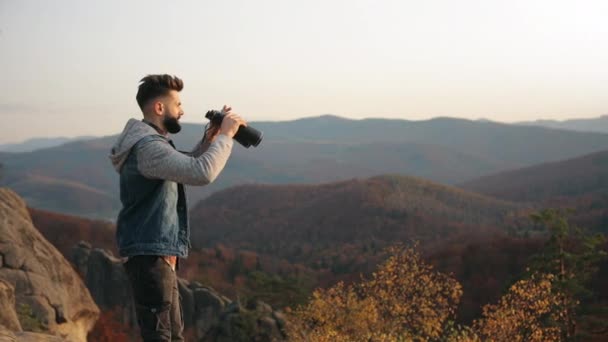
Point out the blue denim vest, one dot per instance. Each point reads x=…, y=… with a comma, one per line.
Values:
x=154, y=217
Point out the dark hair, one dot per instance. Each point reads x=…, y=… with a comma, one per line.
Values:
x=153, y=86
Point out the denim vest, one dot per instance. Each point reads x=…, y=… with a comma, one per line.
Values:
x=154, y=217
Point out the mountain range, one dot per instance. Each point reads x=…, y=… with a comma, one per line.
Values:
x=324, y=196
x=338, y=229
x=307, y=223
x=306, y=151
x=578, y=184
x=599, y=124
x=32, y=144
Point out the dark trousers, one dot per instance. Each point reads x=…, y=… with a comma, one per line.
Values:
x=156, y=295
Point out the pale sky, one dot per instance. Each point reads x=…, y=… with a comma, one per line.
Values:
x=71, y=68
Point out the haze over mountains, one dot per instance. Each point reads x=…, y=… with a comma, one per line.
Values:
x=584, y=125
x=313, y=150
x=38, y=143
x=599, y=124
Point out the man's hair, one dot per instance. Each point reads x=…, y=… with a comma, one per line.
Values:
x=153, y=86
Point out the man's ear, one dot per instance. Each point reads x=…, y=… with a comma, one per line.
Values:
x=159, y=107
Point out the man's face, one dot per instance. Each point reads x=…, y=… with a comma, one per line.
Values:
x=172, y=112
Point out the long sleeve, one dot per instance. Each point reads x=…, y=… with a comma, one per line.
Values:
x=199, y=148
x=158, y=159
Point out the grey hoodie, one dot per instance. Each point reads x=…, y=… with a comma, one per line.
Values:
x=158, y=159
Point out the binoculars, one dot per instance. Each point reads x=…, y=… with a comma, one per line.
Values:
x=246, y=135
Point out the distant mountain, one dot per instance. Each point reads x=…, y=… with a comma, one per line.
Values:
x=72, y=178
x=584, y=125
x=579, y=183
x=313, y=224
x=312, y=150
x=495, y=141
x=38, y=143
x=567, y=178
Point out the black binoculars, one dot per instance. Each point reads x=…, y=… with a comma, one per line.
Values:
x=246, y=135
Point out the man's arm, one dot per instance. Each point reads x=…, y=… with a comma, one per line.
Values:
x=198, y=149
x=158, y=159
x=211, y=132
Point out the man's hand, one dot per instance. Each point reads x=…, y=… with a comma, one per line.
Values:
x=226, y=109
x=231, y=122
x=212, y=132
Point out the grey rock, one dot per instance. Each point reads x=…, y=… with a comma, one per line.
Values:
x=234, y=307
x=213, y=316
x=244, y=326
x=208, y=308
x=195, y=285
x=6, y=335
x=280, y=319
x=80, y=257
x=9, y=336
x=43, y=281
x=259, y=306
x=14, y=257
x=268, y=327
x=38, y=305
x=106, y=279
x=107, y=271
x=37, y=337
x=8, y=316
x=187, y=297
x=206, y=298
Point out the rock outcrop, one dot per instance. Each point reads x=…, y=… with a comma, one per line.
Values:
x=213, y=316
x=49, y=296
x=7, y=335
x=257, y=321
x=8, y=315
x=106, y=280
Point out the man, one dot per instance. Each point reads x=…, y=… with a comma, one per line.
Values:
x=152, y=229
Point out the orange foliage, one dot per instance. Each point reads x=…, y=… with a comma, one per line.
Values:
x=532, y=310
x=109, y=328
x=406, y=300
x=65, y=231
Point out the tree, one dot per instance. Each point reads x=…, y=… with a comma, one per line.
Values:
x=404, y=300
x=572, y=255
x=532, y=310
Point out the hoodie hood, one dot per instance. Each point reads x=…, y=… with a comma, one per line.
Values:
x=133, y=132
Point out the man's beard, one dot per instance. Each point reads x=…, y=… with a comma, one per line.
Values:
x=171, y=124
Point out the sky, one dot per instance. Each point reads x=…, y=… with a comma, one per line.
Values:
x=71, y=68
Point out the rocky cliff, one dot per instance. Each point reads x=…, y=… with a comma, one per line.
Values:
x=40, y=291
x=213, y=316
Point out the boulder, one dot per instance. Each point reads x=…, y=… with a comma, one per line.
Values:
x=7, y=335
x=213, y=316
x=49, y=295
x=8, y=315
